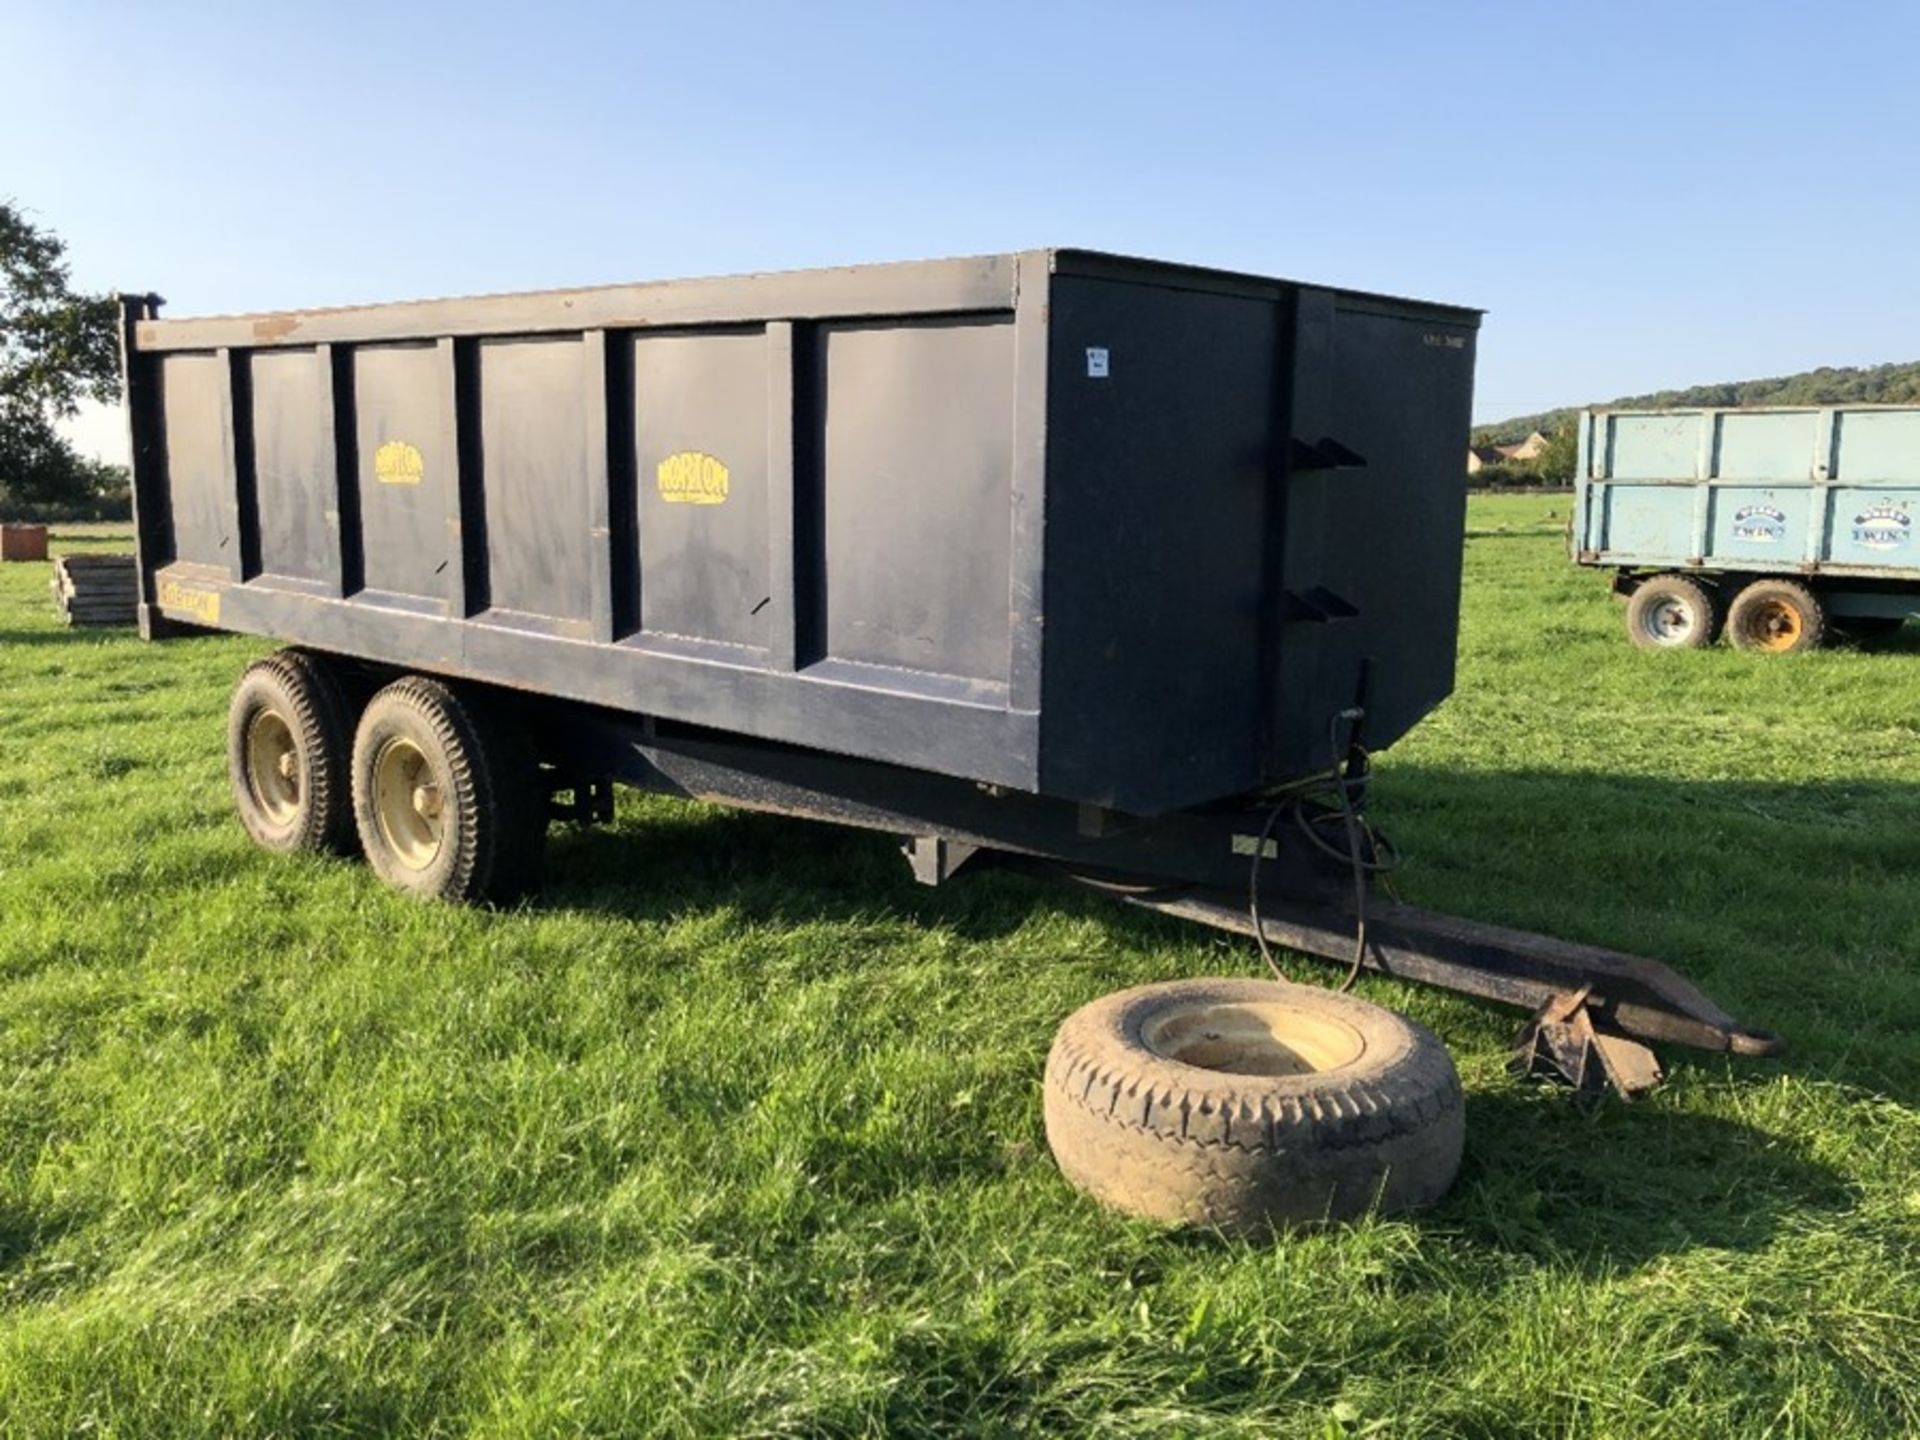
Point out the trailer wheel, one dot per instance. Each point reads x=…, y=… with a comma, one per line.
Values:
x=1776, y=617
x=446, y=796
x=289, y=727
x=1249, y=1105
x=1671, y=612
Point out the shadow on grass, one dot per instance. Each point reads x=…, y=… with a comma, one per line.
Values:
x=67, y=635
x=1904, y=641
x=1615, y=1186
x=1791, y=905
x=24, y=1235
x=1619, y=1185
x=1606, y=1189
x=777, y=871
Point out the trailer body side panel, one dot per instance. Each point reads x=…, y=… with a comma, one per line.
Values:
x=1108, y=530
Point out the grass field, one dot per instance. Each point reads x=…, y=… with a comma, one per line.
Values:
x=736, y=1131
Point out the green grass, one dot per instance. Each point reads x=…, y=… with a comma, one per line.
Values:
x=737, y=1131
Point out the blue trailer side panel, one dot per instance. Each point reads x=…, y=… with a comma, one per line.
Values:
x=1762, y=523
x=1812, y=491
x=1640, y=520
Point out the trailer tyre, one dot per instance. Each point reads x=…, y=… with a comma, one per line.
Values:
x=446, y=795
x=1249, y=1105
x=289, y=731
x=1671, y=612
x=1776, y=617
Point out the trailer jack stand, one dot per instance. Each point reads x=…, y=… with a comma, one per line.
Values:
x=1562, y=1043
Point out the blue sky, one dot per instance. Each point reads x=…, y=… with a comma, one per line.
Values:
x=1641, y=195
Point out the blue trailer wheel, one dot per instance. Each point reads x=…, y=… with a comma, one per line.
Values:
x=1776, y=617
x=1671, y=612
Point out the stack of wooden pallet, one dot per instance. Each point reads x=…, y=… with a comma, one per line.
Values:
x=95, y=589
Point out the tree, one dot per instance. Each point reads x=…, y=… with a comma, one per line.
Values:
x=57, y=348
x=1555, y=464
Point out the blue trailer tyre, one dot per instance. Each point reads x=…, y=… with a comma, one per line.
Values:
x=289, y=729
x=1776, y=617
x=447, y=795
x=1249, y=1105
x=1672, y=612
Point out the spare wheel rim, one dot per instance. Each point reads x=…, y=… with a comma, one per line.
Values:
x=1264, y=1038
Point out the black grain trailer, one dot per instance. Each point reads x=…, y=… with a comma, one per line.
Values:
x=1112, y=565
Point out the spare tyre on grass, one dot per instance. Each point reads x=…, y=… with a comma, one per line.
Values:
x=1251, y=1104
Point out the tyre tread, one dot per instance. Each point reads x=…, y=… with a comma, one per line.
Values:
x=1246, y=1152
x=492, y=773
x=322, y=719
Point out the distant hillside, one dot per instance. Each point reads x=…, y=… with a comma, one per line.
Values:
x=1855, y=385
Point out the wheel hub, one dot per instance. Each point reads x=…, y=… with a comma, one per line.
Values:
x=1669, y=621
x=273, y=767
x=1775, y=625
x=408, y=803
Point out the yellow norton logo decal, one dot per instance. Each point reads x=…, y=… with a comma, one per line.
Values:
x=398, y=463
x=691, y=478
x=202, y=605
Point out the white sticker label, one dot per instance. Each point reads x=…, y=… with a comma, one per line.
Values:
x=1096, y=362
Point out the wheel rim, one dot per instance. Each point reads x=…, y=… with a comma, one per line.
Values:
x=1772, y=625
x=1253, y=1038
x=408, y=803
x=1669, y=621
x=274, y=772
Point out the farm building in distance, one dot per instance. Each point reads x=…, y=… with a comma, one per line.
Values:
x=1479, y=457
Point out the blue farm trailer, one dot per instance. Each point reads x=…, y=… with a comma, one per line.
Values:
x=1780, y=526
